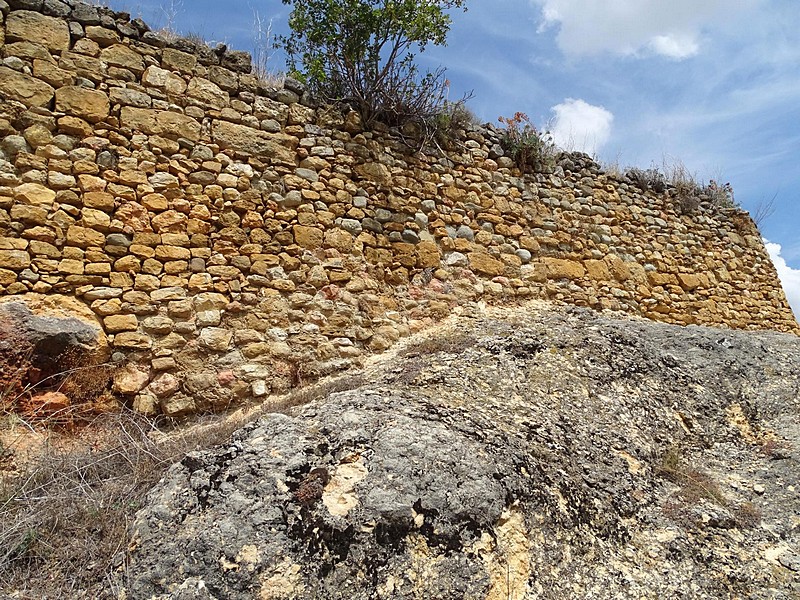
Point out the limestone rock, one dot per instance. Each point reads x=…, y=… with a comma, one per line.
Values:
x=84, y=103
x=376, y=172
x=117, y=323
x=259, y=143
x=559, y=451
x=216, y=338
x=486, y=264
x=207, y=92
x=308, y=237
x=35, y=194
x=24, y=88
x=30, y=26
x=178, y=405
x=164, y=385
x=120, y=55
x=16, y=260
x=160, y=122
x=164, y=79
x=130, y=380
x=558, y=268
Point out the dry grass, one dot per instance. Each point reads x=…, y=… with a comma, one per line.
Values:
x=301, y=396
x=453, y=343
x=82, y=378
x=684, y=188
x=263, y=53
x=69, y=497
x=65, y=512
x=697, y=486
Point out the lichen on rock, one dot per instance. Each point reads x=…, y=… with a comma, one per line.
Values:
x=547, y=454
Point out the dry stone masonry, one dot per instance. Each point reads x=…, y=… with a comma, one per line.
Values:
x=235, y=240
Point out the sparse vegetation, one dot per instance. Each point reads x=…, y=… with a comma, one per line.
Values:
x=453, y=343
x=445, y=128
x=764, y=210
x=78, y=390
x=418, y=355
x=169, y=13
x=263, y=51
x=66, y=504
x=683, y=187
x=648, y=179
x=696, y=486
x=529, y=148
x=65, y=511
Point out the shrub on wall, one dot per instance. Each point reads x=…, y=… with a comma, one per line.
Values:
x=362, y=52
x=529, y=148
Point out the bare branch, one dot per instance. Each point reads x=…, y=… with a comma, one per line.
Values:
x=764, y=210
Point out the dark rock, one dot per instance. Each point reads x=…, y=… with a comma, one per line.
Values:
x=127, y=29
x=86, y=14
x=154, y=39
x=140, y=25
x=55, y=8
x=238, y=61
x=75, y=30
x=206, y=56
x=293, y=85
x=26, y=4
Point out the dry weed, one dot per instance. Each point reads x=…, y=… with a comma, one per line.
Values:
x=67, y=507
x=65, y=513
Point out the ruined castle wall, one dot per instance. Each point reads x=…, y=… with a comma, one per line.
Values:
x=234, y=240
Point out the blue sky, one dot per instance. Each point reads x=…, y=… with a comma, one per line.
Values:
x=714, y=84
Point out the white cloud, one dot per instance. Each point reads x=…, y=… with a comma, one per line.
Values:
x=581, y=126
x=629, y=27
x=675, y=46
x=790, y=278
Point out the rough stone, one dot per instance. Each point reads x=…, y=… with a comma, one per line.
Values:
x=120, y=55
x=30, y=26
x=160, y=122
x=216, y=338
x=484, y=263
x=164, y=385
x=24, y=88
x=16, y=260
x=308, y=237
x=117, y=323
x=207, y=92
x=130, y=380
x=558, y=268
x=84, y=103
x=259, y=143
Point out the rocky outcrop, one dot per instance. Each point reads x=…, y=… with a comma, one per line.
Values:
x=540, y=454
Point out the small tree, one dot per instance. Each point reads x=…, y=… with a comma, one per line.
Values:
x=362, y=52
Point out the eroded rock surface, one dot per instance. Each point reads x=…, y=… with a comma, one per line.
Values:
x=555, y=454
x=43, y=336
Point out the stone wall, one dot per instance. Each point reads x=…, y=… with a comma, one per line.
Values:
x=234, y=240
